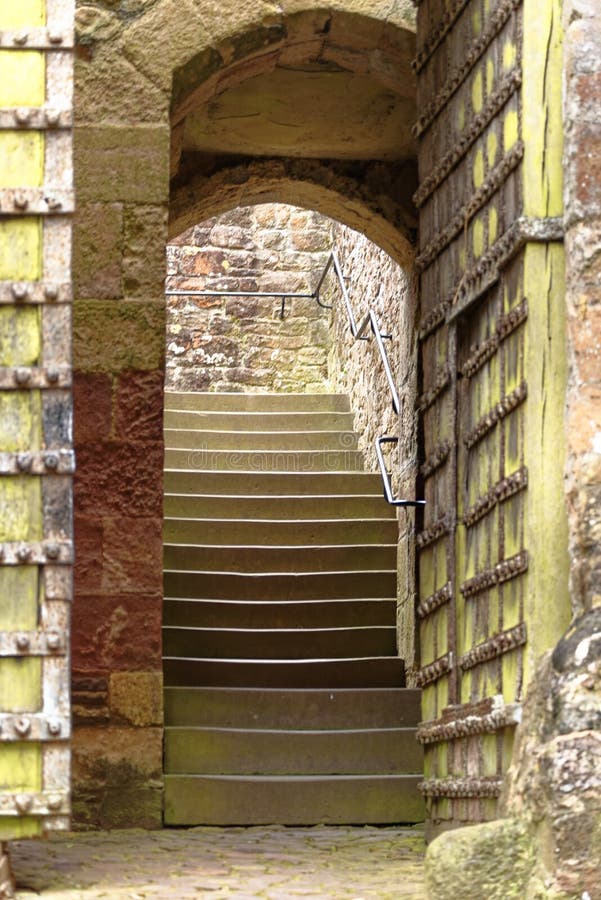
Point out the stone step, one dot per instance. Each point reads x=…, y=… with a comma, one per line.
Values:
x=259, y=421
x=279, y=442
x=289, y=643
x=276, y=532
x=289, y=461
x=278, y=614
x=238, y=751
x=292, y=709
x=280, y=585
x=239, y=402
x=233, y=507
x=336, y=558
x=277, y=484
x=380, y=671
x=292, y=800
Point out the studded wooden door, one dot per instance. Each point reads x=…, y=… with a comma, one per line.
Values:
x=492, y=566
x=36, y=459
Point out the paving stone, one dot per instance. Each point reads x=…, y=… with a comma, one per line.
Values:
x=262, y=863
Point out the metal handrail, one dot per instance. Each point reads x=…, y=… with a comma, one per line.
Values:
x=394, y=501
x=358, y=333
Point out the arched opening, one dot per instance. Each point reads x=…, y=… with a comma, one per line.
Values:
x=281, y=555
x=356, y=174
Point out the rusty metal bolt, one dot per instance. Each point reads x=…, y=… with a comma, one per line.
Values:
x=54, y=202
x=22, y=376
x=23, y=554
x=20, y=291
x=52, y=375
x=54, y=727
x=24, y=462
x=51, y=461
x=55, y=37
x=53, y=117
x=55, y=802
x=52, y=551
x=22, y=726
x=22, y=115
x=23, y=802
x=53, y=641
x=22, y=641
x=51, y=292
x=20, y=200
x=21, y=38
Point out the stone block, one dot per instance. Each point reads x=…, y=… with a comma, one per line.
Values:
x=97, y=250
x=119, y=479
x=104, y=755
x=92, y=406
x=119, y=632
x=110, y=337
x=586, y=149
x=116, y=163
x=136, y=697
x=492, y=860
x=132, y=555
x=139, y=405
x=145, y=235
x=232, y=237
x=117, y=777
x=109, y=88
x=87, y=571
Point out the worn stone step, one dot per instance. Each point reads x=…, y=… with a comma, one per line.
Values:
x=292, y=708
x=259, y=559
x=239, y=402
x=277, y=532
x=289, y=643
x=292, y=800
x=280, y=585
x=233, y=507
x=277, y=484
x=292, y=461
x=278, y=614
x=238, y=751
x=378, y=671
x=279, y=442
x=258, y=421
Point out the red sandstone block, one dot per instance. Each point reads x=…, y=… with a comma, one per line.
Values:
x=91, y=406
x=587, y=165
x=139, y=405
x=117, y=632
x=114, y=478
x=132, y=555
x=88, y=559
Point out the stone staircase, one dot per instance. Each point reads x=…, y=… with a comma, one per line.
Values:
x=284, y=697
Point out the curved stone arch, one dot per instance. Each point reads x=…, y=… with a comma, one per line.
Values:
x=345, y=38
x=306, y=183
x=191, y=42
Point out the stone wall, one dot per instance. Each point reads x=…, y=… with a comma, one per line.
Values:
x=241, y=343
x=375, y=281
x=582, y=184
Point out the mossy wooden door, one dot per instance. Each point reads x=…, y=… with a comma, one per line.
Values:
x=36, y=459
x=492, y=550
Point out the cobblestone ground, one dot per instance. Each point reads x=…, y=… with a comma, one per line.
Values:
x=243, y=863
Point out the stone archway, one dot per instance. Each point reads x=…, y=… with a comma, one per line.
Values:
x=137, y=78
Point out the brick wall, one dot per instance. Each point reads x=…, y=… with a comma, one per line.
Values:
x=241, y=343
